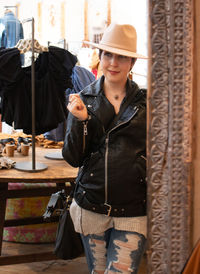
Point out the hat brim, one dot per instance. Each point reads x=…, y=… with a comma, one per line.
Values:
x=116, y=50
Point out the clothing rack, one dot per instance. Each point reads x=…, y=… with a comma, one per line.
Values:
x=61, y=41
x=32, y=166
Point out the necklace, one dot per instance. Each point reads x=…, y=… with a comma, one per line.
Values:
x=116, y=97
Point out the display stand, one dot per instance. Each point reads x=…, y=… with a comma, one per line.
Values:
x=32, y=166
x=57, y=155
x=54, y=156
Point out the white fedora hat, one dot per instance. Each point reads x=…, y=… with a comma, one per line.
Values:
x=119, y=39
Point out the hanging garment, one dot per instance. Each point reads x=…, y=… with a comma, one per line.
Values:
x=52, y=77
x=11, y=30
x=81, y=77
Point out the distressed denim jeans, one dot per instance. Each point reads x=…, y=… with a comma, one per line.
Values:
x=114, y=251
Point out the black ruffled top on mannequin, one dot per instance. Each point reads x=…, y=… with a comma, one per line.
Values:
x=53, y=71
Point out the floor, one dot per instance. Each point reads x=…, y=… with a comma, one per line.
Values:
x=76, y=266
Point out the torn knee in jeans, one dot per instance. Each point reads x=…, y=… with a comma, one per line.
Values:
x=124, y=254
x=98, y=248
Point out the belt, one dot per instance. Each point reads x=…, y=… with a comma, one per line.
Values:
x=106, y=209
x=136, y=210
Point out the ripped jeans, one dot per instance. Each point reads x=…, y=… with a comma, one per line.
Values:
x=114, y=251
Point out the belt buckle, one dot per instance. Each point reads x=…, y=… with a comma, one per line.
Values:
x=109, y=208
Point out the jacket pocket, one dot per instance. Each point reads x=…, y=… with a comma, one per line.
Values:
x=92, y=165
x=79, y=193
x=141, y=168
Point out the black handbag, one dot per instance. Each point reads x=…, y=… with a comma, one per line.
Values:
x=68, y=244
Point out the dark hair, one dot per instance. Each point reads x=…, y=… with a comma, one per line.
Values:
x=100, y=53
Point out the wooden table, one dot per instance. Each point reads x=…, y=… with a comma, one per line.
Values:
x=58, y=171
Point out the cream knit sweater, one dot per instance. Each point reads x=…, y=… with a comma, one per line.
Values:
x=87, y=222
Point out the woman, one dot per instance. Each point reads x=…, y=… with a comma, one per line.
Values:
x=106, y=139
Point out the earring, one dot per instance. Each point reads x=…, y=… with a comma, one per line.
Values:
x=130, y=76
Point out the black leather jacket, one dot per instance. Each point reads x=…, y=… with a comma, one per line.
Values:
x=110, y=151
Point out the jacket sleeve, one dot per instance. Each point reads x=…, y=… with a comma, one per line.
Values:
x=76, y=141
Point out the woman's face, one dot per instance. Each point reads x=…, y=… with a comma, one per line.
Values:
x=115, y=67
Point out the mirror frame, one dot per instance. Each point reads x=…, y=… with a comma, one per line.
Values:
x=169, y=144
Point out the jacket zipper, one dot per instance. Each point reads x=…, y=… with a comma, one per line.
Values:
x=85, y=132
x=136, y=108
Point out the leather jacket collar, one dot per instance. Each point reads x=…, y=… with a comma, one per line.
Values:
x=93, y=96
x=96, y=88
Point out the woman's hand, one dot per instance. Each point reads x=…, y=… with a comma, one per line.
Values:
x=77, y=107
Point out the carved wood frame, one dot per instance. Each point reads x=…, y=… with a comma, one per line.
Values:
x=169, y=145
